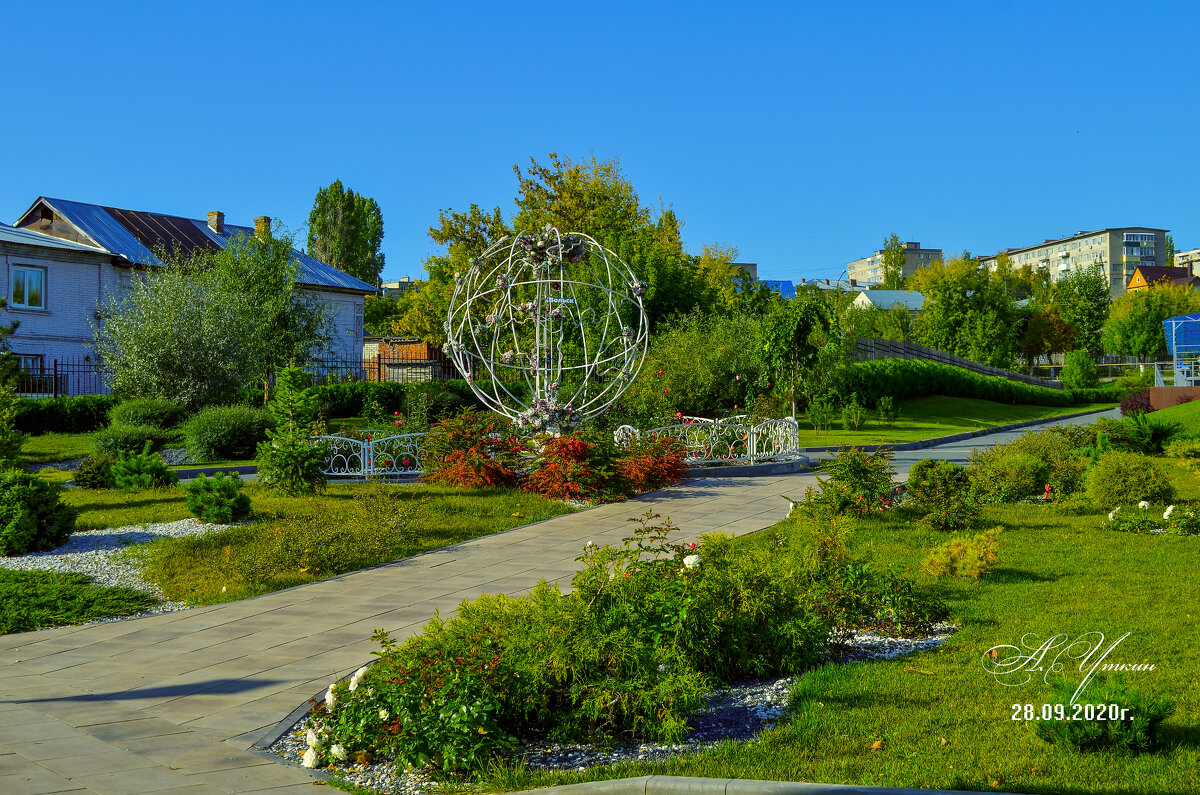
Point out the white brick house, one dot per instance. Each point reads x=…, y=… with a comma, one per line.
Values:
x=52, y=288
x=80, y=252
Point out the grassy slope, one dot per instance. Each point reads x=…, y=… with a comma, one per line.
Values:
x=34, y=599
x=1186, y=413
x=1058, y=573
x=925, y=418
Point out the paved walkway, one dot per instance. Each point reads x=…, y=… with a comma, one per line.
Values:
x=173, y=703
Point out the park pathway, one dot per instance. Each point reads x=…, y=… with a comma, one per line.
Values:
x=173, y=703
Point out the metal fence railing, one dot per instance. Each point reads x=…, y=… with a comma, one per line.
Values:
x=893, y=349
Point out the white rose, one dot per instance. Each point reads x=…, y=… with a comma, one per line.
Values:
x=312, y=738
x=691, y=561
x=330, y=699
x=339, y=752
x=1143, y=505
x=1167, y=513
x=310, y=758
x=357, y=678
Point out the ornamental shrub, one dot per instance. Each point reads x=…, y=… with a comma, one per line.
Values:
x=291, y=460
x=118, y=438
x=1124, y=478
x=222, y=433
x=95, y=472
x=1079, y=370
x=820, y=413
x=648, y=464
x=969, y=558
x=579, y=466
x=33, y=517
x=943, y=493
x=473, y=450
x=218, y=499
x=144, y=470
x=1180, y=447
x=885, y=407
x=1138, y=730
x=159, y=412
x=859, y=482
x=1136, y=403
x=910, y=378
x=78, y=414
x=854, y=416
x=1005, y=473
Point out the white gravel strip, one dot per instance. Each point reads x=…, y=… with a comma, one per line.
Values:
x=100, y=554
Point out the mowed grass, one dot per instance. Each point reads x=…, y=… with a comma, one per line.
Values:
x=51, y=447
x=295, y=540
x=940, y=720
x=34, y=599
x=929, y=417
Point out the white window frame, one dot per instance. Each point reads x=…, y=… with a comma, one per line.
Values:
x=24, y=304
x=31, y=358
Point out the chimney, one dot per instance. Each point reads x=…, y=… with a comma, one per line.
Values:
x=262, y=227
x=216, y=221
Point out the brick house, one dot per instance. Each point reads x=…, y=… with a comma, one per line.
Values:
x=96, y=250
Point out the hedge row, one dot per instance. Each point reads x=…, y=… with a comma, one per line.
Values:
x=79, y=414
x=446, y=398
x=913, y=378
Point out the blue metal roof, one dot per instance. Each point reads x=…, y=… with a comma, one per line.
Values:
x=785, y=286
x=1183, y=335
x=97, y=223
x=12, y=234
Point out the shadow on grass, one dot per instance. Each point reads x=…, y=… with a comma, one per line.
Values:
x=130, y=503
x=1006, y=576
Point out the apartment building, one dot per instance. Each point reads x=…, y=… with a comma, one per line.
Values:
x=1117, y=252
x=1189, y=260
x=869, y=270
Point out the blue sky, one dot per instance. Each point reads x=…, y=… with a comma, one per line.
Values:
x=801, y=133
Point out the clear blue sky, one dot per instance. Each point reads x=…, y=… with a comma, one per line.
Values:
x=801, y=133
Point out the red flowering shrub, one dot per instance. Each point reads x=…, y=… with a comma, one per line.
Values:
x=579, y=466
x=651, y=464
x=473, y=451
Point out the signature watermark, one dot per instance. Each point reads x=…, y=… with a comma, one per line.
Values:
x=1014, y=666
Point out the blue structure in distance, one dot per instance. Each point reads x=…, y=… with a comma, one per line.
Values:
x=1183, y=343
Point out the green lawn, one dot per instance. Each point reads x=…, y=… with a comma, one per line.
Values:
x=52, y=447
x=34, y=599
x=1186, y=413
x=940, y=720
x=928, y=417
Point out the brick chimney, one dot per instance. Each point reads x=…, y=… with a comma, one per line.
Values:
x=262, y=227
x=216, y=221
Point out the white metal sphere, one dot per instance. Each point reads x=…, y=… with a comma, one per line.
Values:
x=557, y=313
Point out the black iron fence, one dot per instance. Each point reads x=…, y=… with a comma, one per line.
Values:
x=69, y=377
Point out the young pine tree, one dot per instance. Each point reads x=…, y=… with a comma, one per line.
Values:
x=290, y=460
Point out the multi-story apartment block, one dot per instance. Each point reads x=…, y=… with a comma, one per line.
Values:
x=869, y=270
x=1189, y=260
x=1117, y=252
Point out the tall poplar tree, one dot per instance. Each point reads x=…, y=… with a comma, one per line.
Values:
x=345, y=230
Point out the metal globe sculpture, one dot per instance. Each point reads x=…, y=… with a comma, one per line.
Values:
x=547, y=328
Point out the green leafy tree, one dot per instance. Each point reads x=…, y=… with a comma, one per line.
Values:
x=345, y=230
x=1082, y=299
x=594, y=197
x=11, y=440
x=787, y=345
x=380, y=312
x=966, y=312
x=207, y=325
x=1134, y=326
x=1169, y=251
x=290, y=460
x=1045, y=332
x=894, y=258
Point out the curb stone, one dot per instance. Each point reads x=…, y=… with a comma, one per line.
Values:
x=684, y=785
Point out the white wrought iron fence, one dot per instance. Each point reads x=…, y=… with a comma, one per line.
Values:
x=723, y=441
x=387, y=456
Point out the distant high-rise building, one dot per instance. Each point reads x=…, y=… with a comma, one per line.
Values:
x=870, y=269
x=1117, y=252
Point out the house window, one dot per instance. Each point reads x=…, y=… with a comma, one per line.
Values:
x=30, y=363
x=28, y=287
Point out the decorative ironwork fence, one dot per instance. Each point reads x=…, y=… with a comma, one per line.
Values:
x=388, y=456
x=724, y=441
